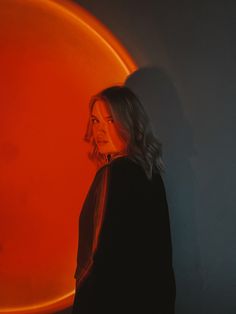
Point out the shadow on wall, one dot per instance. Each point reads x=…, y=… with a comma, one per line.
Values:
x=160, y=98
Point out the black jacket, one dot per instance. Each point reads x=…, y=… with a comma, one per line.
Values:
x=132, y=266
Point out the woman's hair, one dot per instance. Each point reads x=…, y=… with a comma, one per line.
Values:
x=133, y=126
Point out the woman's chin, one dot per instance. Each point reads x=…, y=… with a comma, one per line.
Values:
x=106, y=151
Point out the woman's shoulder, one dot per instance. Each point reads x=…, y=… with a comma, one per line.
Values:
x=127, y=169
x=125, y=166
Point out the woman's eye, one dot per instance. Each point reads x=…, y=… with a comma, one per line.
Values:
x=94, y=120
x=110, y=120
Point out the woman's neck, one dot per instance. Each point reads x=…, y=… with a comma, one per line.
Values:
x=110, y=157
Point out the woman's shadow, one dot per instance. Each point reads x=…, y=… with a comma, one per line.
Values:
x=160, y=98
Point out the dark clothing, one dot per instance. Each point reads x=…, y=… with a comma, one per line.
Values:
x=89, y=223
x=132, y=265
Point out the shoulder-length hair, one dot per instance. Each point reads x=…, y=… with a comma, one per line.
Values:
x=133, y=125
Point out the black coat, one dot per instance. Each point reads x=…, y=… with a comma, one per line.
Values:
x=132, y=266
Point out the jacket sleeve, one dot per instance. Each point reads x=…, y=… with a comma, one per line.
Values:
x=121, y=232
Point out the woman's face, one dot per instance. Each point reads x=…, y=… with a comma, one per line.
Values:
x=105, y=132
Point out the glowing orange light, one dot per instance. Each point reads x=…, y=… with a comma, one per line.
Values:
x=53, y=57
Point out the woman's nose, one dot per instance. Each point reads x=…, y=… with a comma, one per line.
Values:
x=101, y=126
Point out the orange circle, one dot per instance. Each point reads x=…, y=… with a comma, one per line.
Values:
x=54, y=56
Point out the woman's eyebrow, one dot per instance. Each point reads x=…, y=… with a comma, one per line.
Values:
x=93, y=116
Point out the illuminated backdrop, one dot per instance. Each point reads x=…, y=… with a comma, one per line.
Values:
x=53, y=57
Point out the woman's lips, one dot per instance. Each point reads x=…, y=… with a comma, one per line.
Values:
x=102, y=142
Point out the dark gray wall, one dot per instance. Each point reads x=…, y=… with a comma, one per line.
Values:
x=186, y=55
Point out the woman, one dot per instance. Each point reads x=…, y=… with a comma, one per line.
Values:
x=124, y=261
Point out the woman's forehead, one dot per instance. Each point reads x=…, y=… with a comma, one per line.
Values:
x=102, y=108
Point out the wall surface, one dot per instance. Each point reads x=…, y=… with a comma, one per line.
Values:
x=186, y=54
